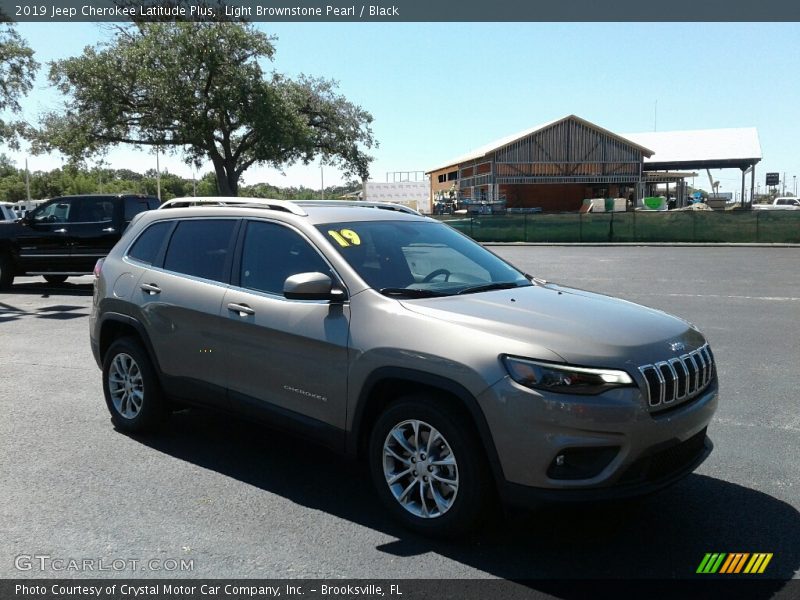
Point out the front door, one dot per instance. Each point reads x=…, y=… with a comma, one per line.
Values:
x=286, y=358
x=43, y=242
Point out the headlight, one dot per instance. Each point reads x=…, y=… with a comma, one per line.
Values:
x=564, y=379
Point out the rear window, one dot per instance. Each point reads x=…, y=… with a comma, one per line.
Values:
x=146, y=247
x=200, y=247
x=133, y=206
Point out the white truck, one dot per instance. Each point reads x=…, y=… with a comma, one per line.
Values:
x=781, y=203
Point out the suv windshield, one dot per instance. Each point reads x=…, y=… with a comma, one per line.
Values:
x=419, y=259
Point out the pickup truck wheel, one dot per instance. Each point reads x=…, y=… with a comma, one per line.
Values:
x=132, y=391
x=428, y=468
x=55, y=278
x=6, y=272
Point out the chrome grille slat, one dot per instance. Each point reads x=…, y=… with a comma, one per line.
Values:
x=678, y=379
x=696, y=372
x=707, y=355
x=682, y=381
x=660, y=386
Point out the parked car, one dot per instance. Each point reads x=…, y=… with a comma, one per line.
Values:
x=782, y=203
x=65, y=236
x=391, y=337
x=7, y=212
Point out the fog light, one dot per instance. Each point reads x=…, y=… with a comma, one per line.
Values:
x=581, y=463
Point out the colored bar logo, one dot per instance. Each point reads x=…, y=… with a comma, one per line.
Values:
x=734, y=563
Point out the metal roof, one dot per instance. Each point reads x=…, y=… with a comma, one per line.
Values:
x=510, y=139
x=700, y=148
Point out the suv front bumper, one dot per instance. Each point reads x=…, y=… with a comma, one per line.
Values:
x=621, y=448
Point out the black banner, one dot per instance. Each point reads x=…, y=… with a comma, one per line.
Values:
x=399, y=589
x=334, y=11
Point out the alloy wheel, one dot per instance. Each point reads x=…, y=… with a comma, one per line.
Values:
x=126, y=385
x=420, y=469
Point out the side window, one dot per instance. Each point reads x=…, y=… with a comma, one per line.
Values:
x=133, y=206
x=146, y=247
x=199, y=247
x=271, y=253
x=91, y=210
x=55, y=212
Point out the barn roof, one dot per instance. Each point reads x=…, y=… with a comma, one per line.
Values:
x=510, y=139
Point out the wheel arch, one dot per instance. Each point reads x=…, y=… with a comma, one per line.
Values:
x=116, y=325
x=386, y=384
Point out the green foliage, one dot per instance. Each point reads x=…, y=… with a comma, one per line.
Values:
x=74, y=180
x=198, y=89
x=17, y=71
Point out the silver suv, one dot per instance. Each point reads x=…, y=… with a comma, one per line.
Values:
x=390, y=336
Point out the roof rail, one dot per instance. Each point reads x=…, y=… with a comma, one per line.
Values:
x=360, y=204
x=283, y=205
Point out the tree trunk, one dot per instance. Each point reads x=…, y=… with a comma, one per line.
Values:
x=227, y=179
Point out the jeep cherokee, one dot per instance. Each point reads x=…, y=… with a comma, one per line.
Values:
x=390, y=336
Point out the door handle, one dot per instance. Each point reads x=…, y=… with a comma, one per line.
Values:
x=62, y=230
x=109, y=230
x=242, y=309
x=151, y=288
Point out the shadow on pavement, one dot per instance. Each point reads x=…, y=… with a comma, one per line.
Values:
x=664, y=536
x=43, y=289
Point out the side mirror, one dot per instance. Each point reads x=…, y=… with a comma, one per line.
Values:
x=311, y=286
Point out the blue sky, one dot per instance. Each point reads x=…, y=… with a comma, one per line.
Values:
x=438, y=90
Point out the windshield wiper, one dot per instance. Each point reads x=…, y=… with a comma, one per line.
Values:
x=410, y=292
x=486, y=287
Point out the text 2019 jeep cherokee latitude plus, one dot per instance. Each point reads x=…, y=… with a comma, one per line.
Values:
x=391, y=336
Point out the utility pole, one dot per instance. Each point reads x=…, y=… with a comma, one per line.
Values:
x=783, y=184
x=321, y=182
x=158, y=177
x=655, y=116
x=27, y=181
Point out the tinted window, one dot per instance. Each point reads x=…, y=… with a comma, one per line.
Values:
x=149, y=243
x=271, y=253
x=200, y=247
x=133, y=206
x=91, y=210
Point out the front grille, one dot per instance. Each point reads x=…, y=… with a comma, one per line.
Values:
x=679, y=379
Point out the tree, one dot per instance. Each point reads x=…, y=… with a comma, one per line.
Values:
x=17, y=71
x=199, y=89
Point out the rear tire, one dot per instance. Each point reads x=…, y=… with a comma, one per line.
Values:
x=55, y=279
x=429, y=468
x=6, y=272
x=131, y=387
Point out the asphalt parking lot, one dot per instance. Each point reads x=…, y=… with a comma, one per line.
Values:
x=242, y=501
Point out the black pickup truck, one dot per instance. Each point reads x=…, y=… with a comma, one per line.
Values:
x=65, y=236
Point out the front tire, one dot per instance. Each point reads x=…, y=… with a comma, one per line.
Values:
x=131, y=387
x=429, y=467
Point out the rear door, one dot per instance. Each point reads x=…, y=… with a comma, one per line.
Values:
x=285, y=358
x=179, y=299
x=92, y=230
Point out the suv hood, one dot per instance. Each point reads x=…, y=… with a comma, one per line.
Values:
x=584, y=328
